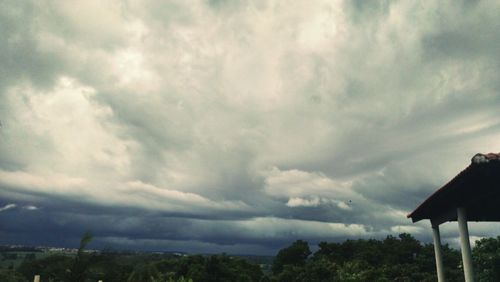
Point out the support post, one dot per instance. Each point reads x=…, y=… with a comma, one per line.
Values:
x=437, y=252
x=36, y=278
x=465, y=245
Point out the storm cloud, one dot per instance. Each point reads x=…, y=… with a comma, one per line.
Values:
x=239, y=126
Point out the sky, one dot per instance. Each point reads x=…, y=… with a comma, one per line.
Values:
x=239, y=126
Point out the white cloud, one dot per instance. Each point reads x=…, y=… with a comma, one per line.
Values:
x=299, y=202
x=7, y=207
x=412, y=229
x=276, y=227
x=344, y=206
x=262, y=228
x=315, y=201
x=32, y=182
x=304, y=189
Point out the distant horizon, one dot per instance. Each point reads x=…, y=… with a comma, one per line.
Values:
x=271, y=252
x=240, y=126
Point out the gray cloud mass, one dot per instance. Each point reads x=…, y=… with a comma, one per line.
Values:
x=239, y=126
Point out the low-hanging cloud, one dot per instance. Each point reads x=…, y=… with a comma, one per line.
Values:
x=7, y=207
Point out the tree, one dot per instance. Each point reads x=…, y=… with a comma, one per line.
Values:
x=319, y=270
x=144, y=272
x=401, y=258
x=80, y=263
x=486, y=257
x=10, y=276
x=355, y=271
x=295, y=255
x=54, y=267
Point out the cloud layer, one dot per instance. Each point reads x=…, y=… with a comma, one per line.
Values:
x=238, y=126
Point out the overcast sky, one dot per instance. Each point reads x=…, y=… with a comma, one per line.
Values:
x=239, y=126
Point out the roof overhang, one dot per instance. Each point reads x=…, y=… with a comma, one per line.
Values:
x=477, y=189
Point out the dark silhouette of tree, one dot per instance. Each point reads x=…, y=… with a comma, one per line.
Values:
x=401, y=258
x=81, y=261
x=144, y=272
x=294, y=255
x=54, y=268
x=10, y=275
x=486, y=256
x=395, y=258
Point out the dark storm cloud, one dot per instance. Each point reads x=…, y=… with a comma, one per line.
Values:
x=238, y=126
x=471, y=38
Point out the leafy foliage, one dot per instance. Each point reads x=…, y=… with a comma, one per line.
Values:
x=8, y=275
x=81, y=261
x=401, y=258
x=295, y=255
x=486, y=255
x=54, y=268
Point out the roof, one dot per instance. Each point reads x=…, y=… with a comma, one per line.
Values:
x=476, y=188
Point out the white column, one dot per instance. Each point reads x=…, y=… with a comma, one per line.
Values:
x=37, y=278
x=465, y=245
x=437, y=252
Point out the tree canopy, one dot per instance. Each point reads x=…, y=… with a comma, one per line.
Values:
x=401, y=258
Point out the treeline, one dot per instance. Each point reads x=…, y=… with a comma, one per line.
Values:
x=115, y=267
x=401, y=258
